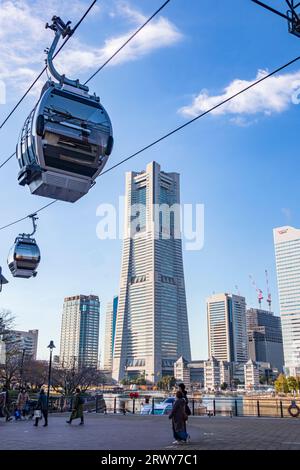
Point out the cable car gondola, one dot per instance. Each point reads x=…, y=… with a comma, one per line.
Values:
x=24, y=256
x=2, y=279
x=67, y=138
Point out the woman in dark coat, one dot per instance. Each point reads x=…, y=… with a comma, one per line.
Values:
x=77, y=411
x=185, y=397
x=179, y=418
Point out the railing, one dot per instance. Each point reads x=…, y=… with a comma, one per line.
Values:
x=207, y=406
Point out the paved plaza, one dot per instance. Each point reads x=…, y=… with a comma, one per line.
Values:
x=116, y=432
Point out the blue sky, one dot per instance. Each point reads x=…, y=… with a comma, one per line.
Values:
x=242, y=164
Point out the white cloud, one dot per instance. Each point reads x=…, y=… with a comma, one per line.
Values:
x=23, y=39
x=274, y=95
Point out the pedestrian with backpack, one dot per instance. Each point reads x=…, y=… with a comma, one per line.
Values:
x=77, y=411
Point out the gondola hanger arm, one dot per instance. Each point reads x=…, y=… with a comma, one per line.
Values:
x=62, y=30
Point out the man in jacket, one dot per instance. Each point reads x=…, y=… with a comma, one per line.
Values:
x=42, y=406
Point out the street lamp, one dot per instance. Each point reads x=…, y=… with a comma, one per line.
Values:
x=22, y=367
x=51, y=346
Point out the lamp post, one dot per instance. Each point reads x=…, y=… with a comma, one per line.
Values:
x=22, y=367
x=51, y=346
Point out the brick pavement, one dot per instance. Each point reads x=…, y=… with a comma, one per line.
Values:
x=116, y=432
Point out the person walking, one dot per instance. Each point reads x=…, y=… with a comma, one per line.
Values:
x=42, y=406
x=187, y=408
x=185, y=397
x=77, y=411
x=5, y=403
x=179, y=418
x=22, y=402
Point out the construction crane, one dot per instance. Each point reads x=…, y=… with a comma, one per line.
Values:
x=237, y=290
x=260, y=295
x=292, y=15
x=269, y=298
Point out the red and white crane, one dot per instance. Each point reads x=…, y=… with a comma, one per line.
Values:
x=260, y=295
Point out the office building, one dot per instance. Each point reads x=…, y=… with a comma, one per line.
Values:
x=182, y=372
x=216, y=373
x=287, y=252
x=227, y=328
x=191, y=373
x=152, y=324
x=251, y=374
x=196, y=373
x=265, y=337
x=79, y=342
x=110, y=331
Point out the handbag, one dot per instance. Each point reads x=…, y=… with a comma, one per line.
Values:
x=37, y=414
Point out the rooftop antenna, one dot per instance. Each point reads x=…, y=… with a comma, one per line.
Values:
x=292, y=15
x=260, y=295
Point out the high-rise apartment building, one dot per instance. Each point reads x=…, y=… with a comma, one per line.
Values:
x=24, y=341
x=152, y=323
x=79, y=342
x=287, y=252
x=227, y=328
x=265, y=337
x=110, y=331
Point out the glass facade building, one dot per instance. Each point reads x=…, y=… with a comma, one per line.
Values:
x=152, y=324
x=110, y=331
x=287, y=252
x=227, y=328
x=79, y=342
x=265, y=337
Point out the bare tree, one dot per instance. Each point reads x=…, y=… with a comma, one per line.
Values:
x=35, y=373
x=10, y=371
x=67, y=380
x=7, y=323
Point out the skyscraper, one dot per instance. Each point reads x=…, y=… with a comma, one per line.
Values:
x=265, y=337
x=79, y=342
x=287, y=252
x=227, y=328
x=152, y=323
x=110, y=331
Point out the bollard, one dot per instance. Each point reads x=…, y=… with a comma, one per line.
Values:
x=193, y=407
x=258, y=409
x=281, y=409
x=153, y=406
x=214, y=407
x=115, y=405
x=235, y=408
x=133, y=406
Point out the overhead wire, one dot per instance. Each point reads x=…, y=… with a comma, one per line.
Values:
x=128, y=41
x=176, y=130
x=45, y=68
x=96, y=72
